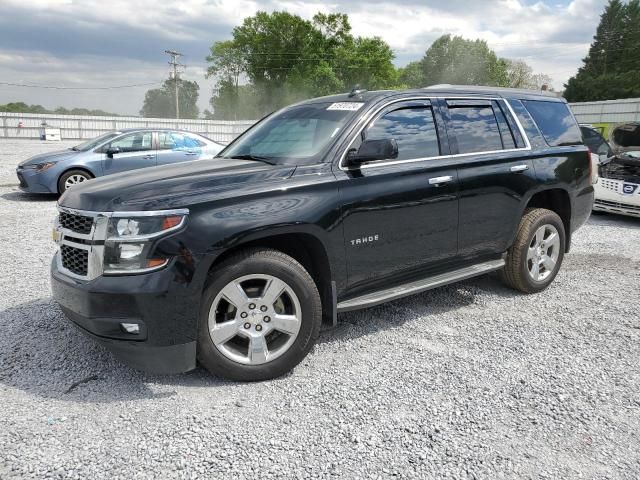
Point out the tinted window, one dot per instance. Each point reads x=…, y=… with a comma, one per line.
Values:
x=505, y=132
x=413, y=129
x=134, y=142
x=555, y=122
x=176, y=141
x=475, y=128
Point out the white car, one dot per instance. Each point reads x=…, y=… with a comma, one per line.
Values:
x=616, y=178
x=618, y=188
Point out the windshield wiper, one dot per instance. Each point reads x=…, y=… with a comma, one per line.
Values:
x=255, y=158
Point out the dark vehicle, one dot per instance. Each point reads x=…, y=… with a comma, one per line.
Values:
x=595, y=141
x=330, y=205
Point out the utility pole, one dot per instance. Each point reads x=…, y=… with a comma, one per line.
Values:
x=174, y=63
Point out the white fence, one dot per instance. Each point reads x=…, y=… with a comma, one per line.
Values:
x=608, y=111
x=78, y=127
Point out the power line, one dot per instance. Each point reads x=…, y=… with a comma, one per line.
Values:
x=55, y=87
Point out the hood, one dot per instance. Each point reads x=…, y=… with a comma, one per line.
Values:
x=174, y=186
x=49, y=157
x=625, y=137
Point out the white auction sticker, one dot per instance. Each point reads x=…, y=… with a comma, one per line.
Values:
x=349, y=106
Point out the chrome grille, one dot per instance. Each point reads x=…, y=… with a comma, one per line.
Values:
x=76, y=223
x=75, y=260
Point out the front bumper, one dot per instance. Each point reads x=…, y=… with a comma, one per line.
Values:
x=610, y=197
x=32, y=181
x=159, y=302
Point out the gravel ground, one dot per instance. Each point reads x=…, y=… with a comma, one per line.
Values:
x=466, y=381
x=13, y=151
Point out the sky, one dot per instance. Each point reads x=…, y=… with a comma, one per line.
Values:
x=98, y=43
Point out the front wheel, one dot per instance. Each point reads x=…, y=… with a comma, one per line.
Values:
x=260, y=316
x=71, y=178
x=535, y=257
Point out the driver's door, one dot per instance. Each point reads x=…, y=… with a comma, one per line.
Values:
x=134, y=150
x=401, y=214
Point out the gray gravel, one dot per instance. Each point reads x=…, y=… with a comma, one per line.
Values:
x=466, y=381
x=13, y=151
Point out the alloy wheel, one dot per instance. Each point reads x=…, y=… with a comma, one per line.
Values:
x=74, y=180
x=543, y=253
x=255, y=319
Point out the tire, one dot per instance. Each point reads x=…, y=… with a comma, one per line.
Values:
x=289, y=324
x=67, y=177
x=520, y=271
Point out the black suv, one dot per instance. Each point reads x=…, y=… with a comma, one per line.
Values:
x=329, y=205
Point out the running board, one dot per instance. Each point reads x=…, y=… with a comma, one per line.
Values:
x=382, y=296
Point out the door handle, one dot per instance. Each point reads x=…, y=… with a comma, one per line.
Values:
x=148, y=157
x=191, y=153
x=440, y=180
x=519, y=168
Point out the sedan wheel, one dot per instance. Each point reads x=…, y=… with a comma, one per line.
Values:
x=74, y=180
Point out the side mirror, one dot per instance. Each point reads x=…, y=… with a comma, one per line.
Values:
x=371, y=150
x=111, y=151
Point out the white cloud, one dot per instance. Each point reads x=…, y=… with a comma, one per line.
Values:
x=93, y=42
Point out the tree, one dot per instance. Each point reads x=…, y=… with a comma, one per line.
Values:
x=161, y=102
x=611, y=69
x=463, y=62
x=285, y=58
x=520, y=75
x=412, y=75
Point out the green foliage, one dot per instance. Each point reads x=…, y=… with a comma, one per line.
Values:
x=459, y=61
x=161, y=102
x=286, y=59
x=612, y=67
x=21, y=107
x=412, y=75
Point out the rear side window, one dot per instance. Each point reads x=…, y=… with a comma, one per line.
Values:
x=413, y=128
x=557, y=125
x=476, y=129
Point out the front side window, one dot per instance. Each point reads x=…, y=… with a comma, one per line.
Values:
x=94, y=142
x=134, y=142
x=295, y=134
x=557, y=125
x=413, y=128
x=475, y=128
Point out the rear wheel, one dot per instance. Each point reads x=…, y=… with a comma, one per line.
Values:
x=535, y=257
x=71, y=178
x=260, y=316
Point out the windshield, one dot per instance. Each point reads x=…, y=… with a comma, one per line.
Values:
x=295, y=134
x=90, y=144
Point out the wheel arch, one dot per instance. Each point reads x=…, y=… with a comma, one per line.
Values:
x=557, y=200
x=307, y=249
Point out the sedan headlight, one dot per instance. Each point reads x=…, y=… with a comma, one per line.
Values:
x=128, y=248
x=40, y=167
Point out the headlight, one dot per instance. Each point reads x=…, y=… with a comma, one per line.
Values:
x=40, y=167
x=129, y=243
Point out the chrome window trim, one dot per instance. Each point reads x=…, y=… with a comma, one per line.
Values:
x=375, y=115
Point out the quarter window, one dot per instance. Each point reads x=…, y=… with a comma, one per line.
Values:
x=475, y=128
x=134, y=142
x=557, y=125
x=413, y=128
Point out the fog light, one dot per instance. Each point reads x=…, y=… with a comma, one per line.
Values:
x=133, y=328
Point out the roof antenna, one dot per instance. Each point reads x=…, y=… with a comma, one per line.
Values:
x=356, y=91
